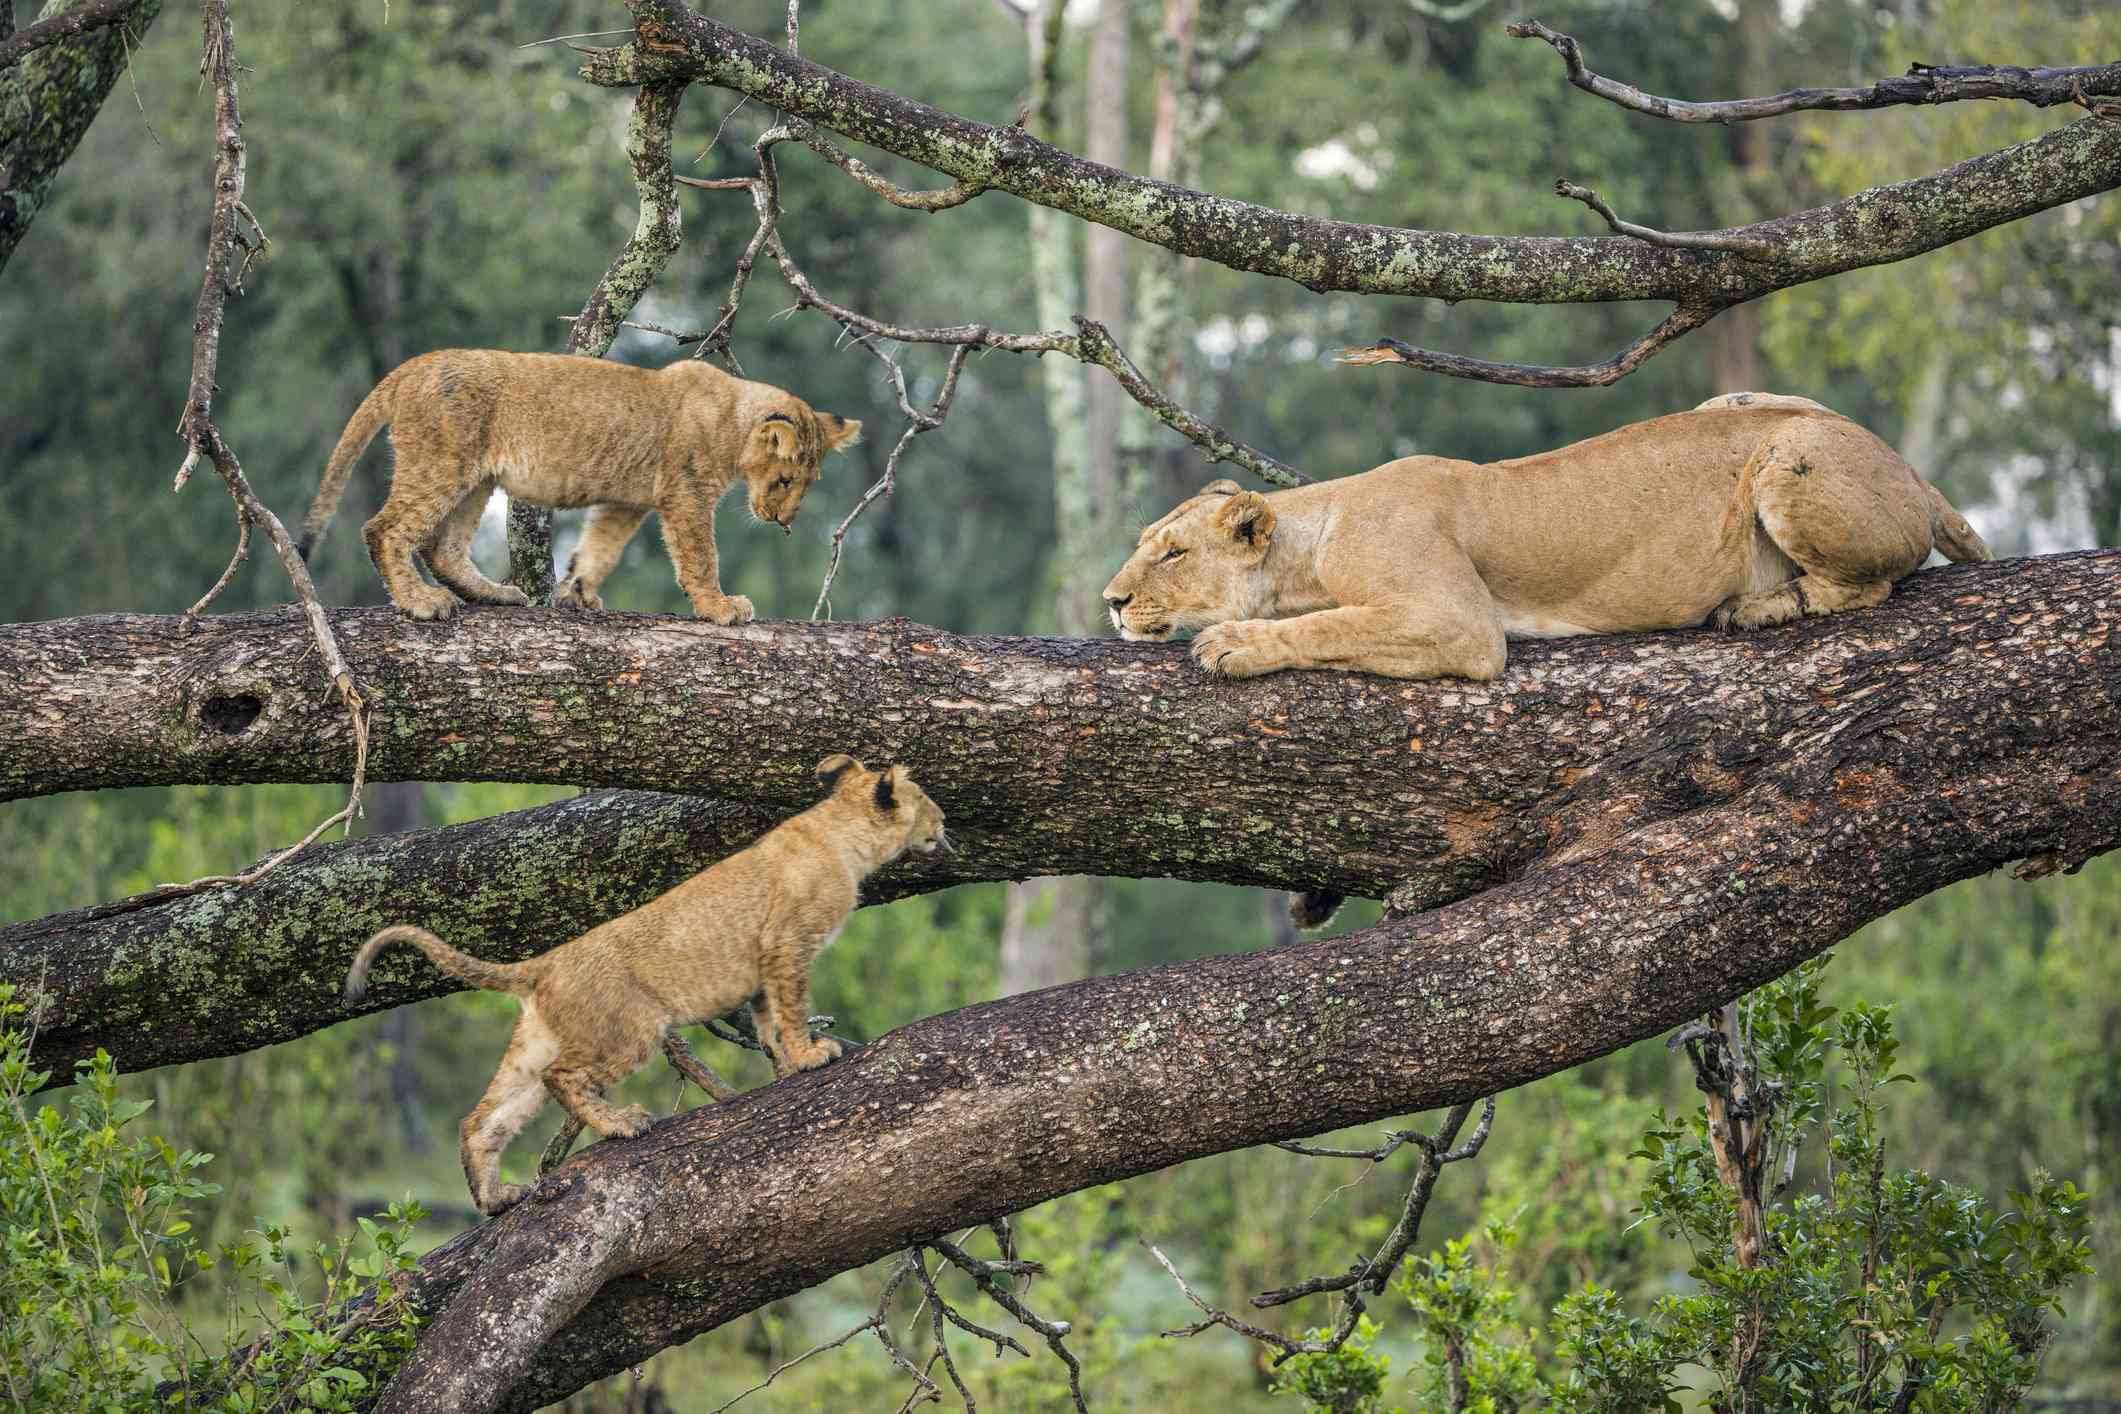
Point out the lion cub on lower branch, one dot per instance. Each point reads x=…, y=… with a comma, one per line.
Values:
x=742, y=931
x=561, y=430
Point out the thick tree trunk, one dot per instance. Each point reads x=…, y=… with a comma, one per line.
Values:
x=1050, y=756
x=47, y=100
x=1931, y=763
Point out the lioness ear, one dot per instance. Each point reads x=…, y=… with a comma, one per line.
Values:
x=839, y=433
x=1246, y=518
x=885, y=783
x=777, y=430
x=1224, y=487
x=832, y=768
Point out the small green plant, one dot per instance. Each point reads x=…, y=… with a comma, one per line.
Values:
x=99, y=1270
x=1476, y=1358
x=1349, y=1380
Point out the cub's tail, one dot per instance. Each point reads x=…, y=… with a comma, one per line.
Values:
x=515, y=977
x=1955, y=539
x=1314, y=908
x=368, y=420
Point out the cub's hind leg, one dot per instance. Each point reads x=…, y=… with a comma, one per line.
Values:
x=423, y=491
x=449, y=553
x=511, y=1102
x=1846, y=509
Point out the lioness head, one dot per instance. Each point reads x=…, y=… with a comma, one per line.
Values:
x=890, y=798
x=780, y=454
x=1197, y=566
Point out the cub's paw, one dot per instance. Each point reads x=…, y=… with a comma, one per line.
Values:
x=1242, y=648
x=633, y=1122
x=510, y=595
x=727, y=610
x=571, y=595
x=429, y=601
x=501, y=1198
x=822, y=1052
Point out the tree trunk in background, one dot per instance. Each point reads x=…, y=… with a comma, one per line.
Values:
x=47, y=101
x=1734, y=339
x=1047, y=937
x=399, y=808
x=1105, y=253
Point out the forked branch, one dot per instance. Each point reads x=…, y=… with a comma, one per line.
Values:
x=1922, y=83
x=202, y=438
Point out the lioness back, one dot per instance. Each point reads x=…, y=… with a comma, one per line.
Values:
x=1752, y=510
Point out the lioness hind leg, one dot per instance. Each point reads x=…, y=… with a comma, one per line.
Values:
x=449, y=553
x=1846, y=509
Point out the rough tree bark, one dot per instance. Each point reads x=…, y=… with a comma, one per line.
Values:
x=1050, y=756
x=1979, y=722
x=48, y=97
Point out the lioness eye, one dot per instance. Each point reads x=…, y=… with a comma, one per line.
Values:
x=782, y=482
x=1170, y=555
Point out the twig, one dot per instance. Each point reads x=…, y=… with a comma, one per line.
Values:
x=917, y=422
x=775, y=1373
x=1366, y=1273
x=1054, y=1332
x=1751, y=247
x=203, y=439
x=1097, y=346
x=1681, y=321
x=1923, y=83
x=80, y=19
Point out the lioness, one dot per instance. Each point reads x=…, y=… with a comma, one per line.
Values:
x=743, y=931
x=559, y=430
x=1750, y=510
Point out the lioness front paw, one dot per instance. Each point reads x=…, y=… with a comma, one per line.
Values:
x=429, y=601
x=1243, y=648
x=725, y=610
x=571, y=595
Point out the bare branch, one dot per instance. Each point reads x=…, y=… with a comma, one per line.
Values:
x=1679, y=322
x=1923, y=83
x=984, y=1275
x=80, y=19
x=202, y=438
x=1751, y=247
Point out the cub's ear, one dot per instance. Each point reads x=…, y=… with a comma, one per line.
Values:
x=886, y=787
x=777, y=431
x=832, y=768
x=838, y=433
x=1224, y=487
x=1246, y=518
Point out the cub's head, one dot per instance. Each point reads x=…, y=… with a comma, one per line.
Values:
x=889, y=798
x=1199, y=565
x=782, y=445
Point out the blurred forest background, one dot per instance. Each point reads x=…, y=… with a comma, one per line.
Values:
x=428, y=181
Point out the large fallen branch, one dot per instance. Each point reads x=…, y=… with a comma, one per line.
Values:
x=1051, y=756
x=1914, y=764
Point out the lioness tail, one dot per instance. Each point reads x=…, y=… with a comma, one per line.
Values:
x=515, y=977
x=367, y=421
x=1955, y=539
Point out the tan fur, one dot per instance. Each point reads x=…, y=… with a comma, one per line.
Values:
x=1751, y=510
x=557, y=430
x=742, y=932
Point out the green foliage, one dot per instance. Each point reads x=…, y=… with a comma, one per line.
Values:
x=1879, y=1288
x=1348, y=1380
x=98, y=1259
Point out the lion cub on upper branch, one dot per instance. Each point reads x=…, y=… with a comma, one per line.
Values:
x=561, y=430
x=743, y=931
x=1751, y=510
